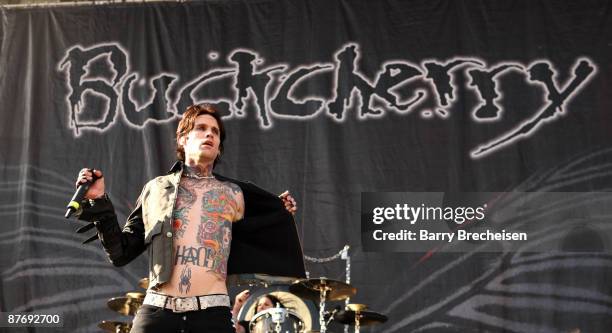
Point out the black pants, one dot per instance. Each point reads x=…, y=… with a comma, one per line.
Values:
x=151, y=319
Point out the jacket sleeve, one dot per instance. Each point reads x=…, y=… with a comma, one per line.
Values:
x=121, y=246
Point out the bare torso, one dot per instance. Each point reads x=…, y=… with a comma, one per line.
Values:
x=202, y=221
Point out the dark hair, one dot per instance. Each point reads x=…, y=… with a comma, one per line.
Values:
x=275, y=300
x=188, y=123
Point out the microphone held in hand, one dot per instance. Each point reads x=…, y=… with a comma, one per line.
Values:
x=75, y=203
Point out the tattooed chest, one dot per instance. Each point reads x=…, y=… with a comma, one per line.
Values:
x=202, y=201
x=202, y=223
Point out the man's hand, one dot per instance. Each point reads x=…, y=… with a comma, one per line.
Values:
x=96, y=190
x=289, y=202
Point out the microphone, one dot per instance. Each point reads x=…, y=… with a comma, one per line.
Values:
x=75, y=203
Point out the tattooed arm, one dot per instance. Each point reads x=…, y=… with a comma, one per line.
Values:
x=239, y=198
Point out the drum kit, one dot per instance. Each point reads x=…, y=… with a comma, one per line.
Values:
x=325, y=290
x=277, y=319
x=322, y=290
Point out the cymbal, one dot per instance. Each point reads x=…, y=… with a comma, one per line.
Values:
x=126, y=306
x=311, y=289
x=356, y=307
x=135, y=294
x=347, y=317
x=115, y=326
x=144, y=283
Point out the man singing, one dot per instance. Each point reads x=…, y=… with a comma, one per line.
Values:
x=198, y=227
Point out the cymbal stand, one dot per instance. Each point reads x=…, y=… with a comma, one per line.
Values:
x=323, y=295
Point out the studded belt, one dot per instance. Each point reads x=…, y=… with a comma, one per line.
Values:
x=184, y=304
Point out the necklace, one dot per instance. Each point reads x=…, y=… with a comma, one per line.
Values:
x=194, y=176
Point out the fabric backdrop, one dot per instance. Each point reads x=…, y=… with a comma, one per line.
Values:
x=328, y=99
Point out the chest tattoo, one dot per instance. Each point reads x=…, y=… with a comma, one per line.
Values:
x=202, y=218
x=184, y=201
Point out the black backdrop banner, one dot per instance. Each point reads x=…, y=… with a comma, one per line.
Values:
x=329, y=99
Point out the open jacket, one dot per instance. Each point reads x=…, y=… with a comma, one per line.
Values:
x=265, y=241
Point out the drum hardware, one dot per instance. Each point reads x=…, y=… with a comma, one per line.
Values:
x=278, y=317
x=329, y=315
x=115, y=326
x=327, y=290
x=311, y=289
x=276, y=320
x=358, y=315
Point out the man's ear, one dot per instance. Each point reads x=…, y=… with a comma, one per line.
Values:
x=181, y=141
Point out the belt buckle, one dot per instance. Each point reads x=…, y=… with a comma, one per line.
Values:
x=182, y=304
